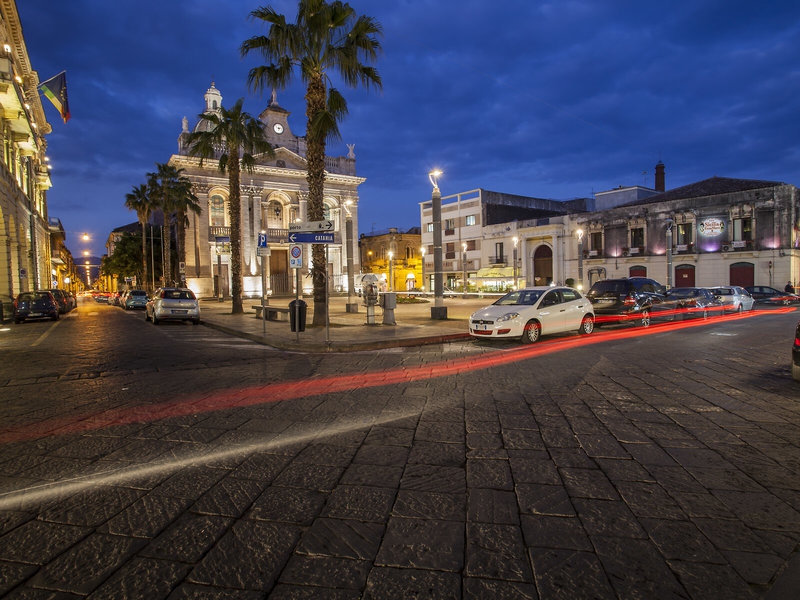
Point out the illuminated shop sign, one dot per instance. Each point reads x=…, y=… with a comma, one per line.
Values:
x=711, y=227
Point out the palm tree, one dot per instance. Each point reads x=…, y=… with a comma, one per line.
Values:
x=170, y=190
x=184, y=202
x=327, y=36
x=140, y=202
x=235, y=137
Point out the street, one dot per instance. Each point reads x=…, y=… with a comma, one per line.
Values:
x=176, y=461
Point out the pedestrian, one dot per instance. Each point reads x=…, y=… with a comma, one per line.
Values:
x=789, y=288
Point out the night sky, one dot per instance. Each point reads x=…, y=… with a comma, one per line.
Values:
x=556, y=99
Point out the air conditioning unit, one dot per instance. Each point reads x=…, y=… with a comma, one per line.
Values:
x=626, y=253
x=726, y=248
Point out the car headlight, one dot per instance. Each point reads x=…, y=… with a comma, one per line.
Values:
x=507, y=317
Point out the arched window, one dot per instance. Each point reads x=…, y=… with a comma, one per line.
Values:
x=216, y=211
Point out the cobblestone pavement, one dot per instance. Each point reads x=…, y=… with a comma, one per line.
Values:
x=658, y=463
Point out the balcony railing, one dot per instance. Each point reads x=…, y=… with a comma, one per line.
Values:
x=274, y=235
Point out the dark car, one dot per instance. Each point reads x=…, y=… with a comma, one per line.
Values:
x=35, y=305
x=63, y=299
x=625, y=299
x=683, y=302
x=796, y=354
x=764, y=294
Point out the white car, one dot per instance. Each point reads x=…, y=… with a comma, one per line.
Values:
x=172, y=304
x=529, y=313
x=734, y=298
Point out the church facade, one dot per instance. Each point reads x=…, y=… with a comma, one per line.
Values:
x=274, y=196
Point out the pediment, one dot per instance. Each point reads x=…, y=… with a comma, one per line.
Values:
x=284, y=158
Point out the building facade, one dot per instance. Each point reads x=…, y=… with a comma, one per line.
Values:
x=25, y=255
x=395, y=257
x=274, y=196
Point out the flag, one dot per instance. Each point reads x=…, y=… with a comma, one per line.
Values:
x=55, y=89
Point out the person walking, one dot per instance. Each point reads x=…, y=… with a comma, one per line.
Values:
x=789, y=289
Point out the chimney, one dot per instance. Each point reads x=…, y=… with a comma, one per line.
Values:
x=660, y=177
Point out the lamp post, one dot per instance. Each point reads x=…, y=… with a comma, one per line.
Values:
x=438, y=310
x=464, y=268
x=669, y=253
x=391, y=273
x=514, y=285
x=351, y=307
x=579, y=233
x=422, y=252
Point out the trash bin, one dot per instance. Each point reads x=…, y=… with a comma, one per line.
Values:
x=297, y=315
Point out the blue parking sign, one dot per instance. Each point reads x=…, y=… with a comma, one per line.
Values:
x=262, y=239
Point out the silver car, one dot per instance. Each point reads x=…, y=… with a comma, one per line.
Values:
x=173, y=304
x=733, y=298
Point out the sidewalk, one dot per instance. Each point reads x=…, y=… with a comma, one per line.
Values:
x=347, y=331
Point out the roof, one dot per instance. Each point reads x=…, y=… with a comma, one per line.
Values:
x=713, y=186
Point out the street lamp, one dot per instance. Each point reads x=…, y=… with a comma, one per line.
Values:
x=464, y=267
x=579, y=233
x=351, y=306
x=516, y=241
x=438, y=310
x=391, y=273
x=669, y=253
x=422, y=252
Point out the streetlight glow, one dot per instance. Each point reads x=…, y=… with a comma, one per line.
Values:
x=433, y=177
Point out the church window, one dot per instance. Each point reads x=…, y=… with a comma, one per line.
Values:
x=217, y=211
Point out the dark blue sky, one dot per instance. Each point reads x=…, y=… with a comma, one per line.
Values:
x=555, y=99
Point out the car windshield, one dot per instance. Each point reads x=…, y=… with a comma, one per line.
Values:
x=526, y=297
x=178, y=295
x=683, y=292
x=724, y=291
x=609, y=286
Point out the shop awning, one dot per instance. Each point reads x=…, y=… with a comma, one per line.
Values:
x=496, y=273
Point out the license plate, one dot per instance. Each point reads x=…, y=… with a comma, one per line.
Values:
x=36, y=314
x=179, y=312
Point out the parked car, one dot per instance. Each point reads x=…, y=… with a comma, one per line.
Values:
x=63, y=300
x=173, y=304
x=734, y=298
x=529, y=313
x=40, y=304
x=796, y=354
x=625, y=299
x=764, y=294
x=134, y=299
x=680, y=303
x=113, y=299
x=101, y=297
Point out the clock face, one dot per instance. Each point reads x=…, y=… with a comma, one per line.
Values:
x=278, y=128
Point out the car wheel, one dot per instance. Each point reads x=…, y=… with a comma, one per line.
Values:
x=532, y=332
x=644, y=317
x=146, y=315
x=155, y=319
x=705, y=313
x=18, y=321
x=55, y=316
x=739, y=308
x=195, y=321
x=587, y=325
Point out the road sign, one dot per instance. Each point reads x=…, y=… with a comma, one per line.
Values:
x=296, y=257
x=311, y=226
x=262, y=239
x=311, y=238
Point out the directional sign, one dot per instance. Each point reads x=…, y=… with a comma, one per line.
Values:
x=311, y=238
x=311, y=226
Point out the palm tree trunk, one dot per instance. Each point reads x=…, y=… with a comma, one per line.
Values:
x=143, y=285
x=315, y=155
x=235, y=214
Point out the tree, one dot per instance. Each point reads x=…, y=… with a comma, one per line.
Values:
x=170, y=191
x=235, y=137
x=185, y=202
x=327, y=37
x=125, y=260
x=139, y=201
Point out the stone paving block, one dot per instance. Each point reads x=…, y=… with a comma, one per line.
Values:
x=187, y=539
x=390, y=436
x=648, y=499
x=681, y=540
x=483, y=441
x=756, y=569
x=492, y=506
x=422, y=544
x=601, y=445
x=575, y=458
x=432, y=478
x=326, y=454
x=230, y=497
x=549, y=500
x=326, y=572
x=343, y=538
x=760, y=510
x=365, y=503
x=624, y=469
x=95, y=558
x=190, y=483
x=588, y=483
x=304, y=475
x=496, y=552
x=13, y=574
x=522, y=439
x=607, y=518
x=146, y=517
x=374, y=475
x=650, y=455
x=434, y=505
x=478, y=589
x=437, y=453
x=383, y=583
x=37, y=542
x=250, y=556
x=142, y=578
x=192, y=591
x=89, y=447
x=488, y=473
x=706, y=580
x=262, y=467
x=287, y=505
x=721, y=478
x=144, y=450
x=375, y=454
x=676, y=479
x=555, y=532
x=563, y=574
x=11, y=519
x=285, y=591
x=91, y=507
x=534, y=468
